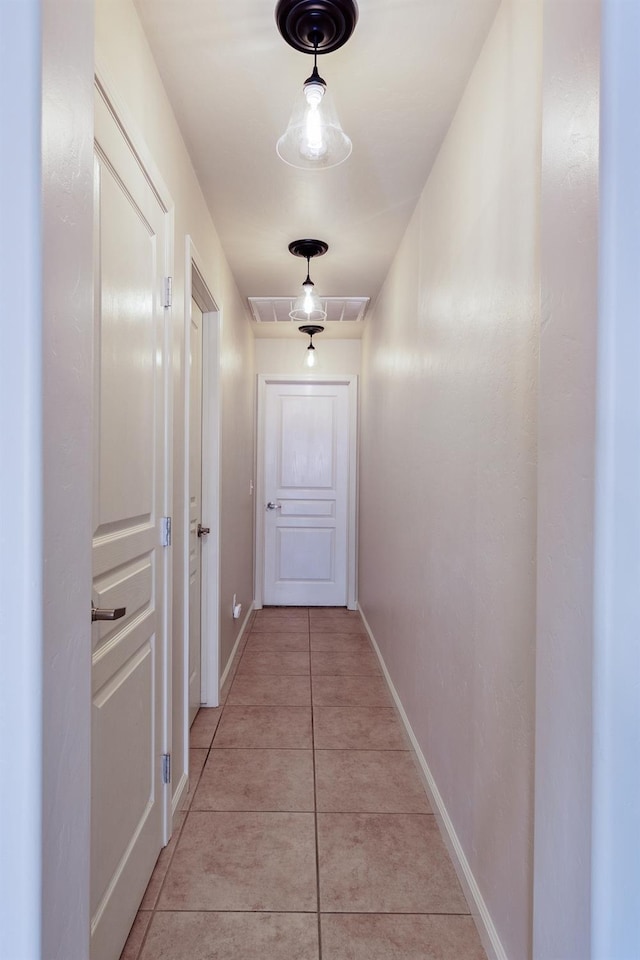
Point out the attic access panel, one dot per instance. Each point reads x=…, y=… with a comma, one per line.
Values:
x=270, y=310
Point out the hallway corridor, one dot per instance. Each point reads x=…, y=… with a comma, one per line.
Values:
x=306, y=834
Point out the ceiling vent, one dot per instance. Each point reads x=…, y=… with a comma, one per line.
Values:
x=339, y=309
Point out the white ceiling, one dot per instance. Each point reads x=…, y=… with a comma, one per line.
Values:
x=231, y=79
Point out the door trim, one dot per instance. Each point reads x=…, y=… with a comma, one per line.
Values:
x=351, y=381
x=197, y=288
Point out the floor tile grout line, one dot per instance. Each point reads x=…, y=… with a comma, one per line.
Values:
x=326, y=913
x=305, y=813
x=332, y=676
x=288, y=813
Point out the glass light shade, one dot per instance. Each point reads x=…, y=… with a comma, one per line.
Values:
x=310, y=360
x=314, y=138
x=308, y=307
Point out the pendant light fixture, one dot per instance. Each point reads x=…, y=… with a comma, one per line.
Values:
x=314, y=138
x=308, y=307
x=311, y=329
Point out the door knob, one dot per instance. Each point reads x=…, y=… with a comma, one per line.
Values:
x=203, y=531
x=101, y=613
x=273, y=506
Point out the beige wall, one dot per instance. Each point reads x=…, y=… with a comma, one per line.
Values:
x=288, y=356
x=448, y=469
x=125, y=61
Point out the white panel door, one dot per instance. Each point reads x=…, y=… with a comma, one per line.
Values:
x=195, y=508
x=128, y=799
x=306, y=482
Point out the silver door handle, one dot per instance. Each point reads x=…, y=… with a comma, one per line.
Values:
x=203, y=531
x=273, y=506
x=101, y=613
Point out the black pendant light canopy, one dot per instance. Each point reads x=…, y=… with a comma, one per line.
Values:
x=316, y=26
x=310, y=329
x=308, y=248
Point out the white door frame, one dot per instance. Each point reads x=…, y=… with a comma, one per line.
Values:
x=352, y=383
x=196, y=287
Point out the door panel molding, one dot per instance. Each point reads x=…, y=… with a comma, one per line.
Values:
x=351, y=382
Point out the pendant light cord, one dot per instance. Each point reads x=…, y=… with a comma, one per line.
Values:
x=315, y=76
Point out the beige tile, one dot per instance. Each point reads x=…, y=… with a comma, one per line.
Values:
x=162, y=865
x=204, y=726
x=393, y=937
x=369, y=781
x=353, y=627
x=279, y=625
x=337, y=613
x=263, y=727
x=326, y=642
x=280, y=663
x=268, y=642
x=243, y=861
x=385, y=863
x=270, y=780
x=133, y=945
x=278, y=613
x=270, y=691
x=350, y=663
x=232, y=936
x=333, y=613
x=357, y=728
x=350, y=691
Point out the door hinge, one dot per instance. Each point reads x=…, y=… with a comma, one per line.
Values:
x=166, y=768
x=165, y=531
x=168, y=291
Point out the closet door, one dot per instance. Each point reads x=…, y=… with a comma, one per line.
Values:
x=129, y=651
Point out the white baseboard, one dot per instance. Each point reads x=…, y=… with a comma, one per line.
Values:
x=479, y=912
x=245, y=623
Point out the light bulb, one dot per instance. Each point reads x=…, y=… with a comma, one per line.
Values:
x=308, y=304
x=311, y=357
x=313, y=146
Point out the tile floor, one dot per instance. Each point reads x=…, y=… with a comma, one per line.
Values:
x=306, y=833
